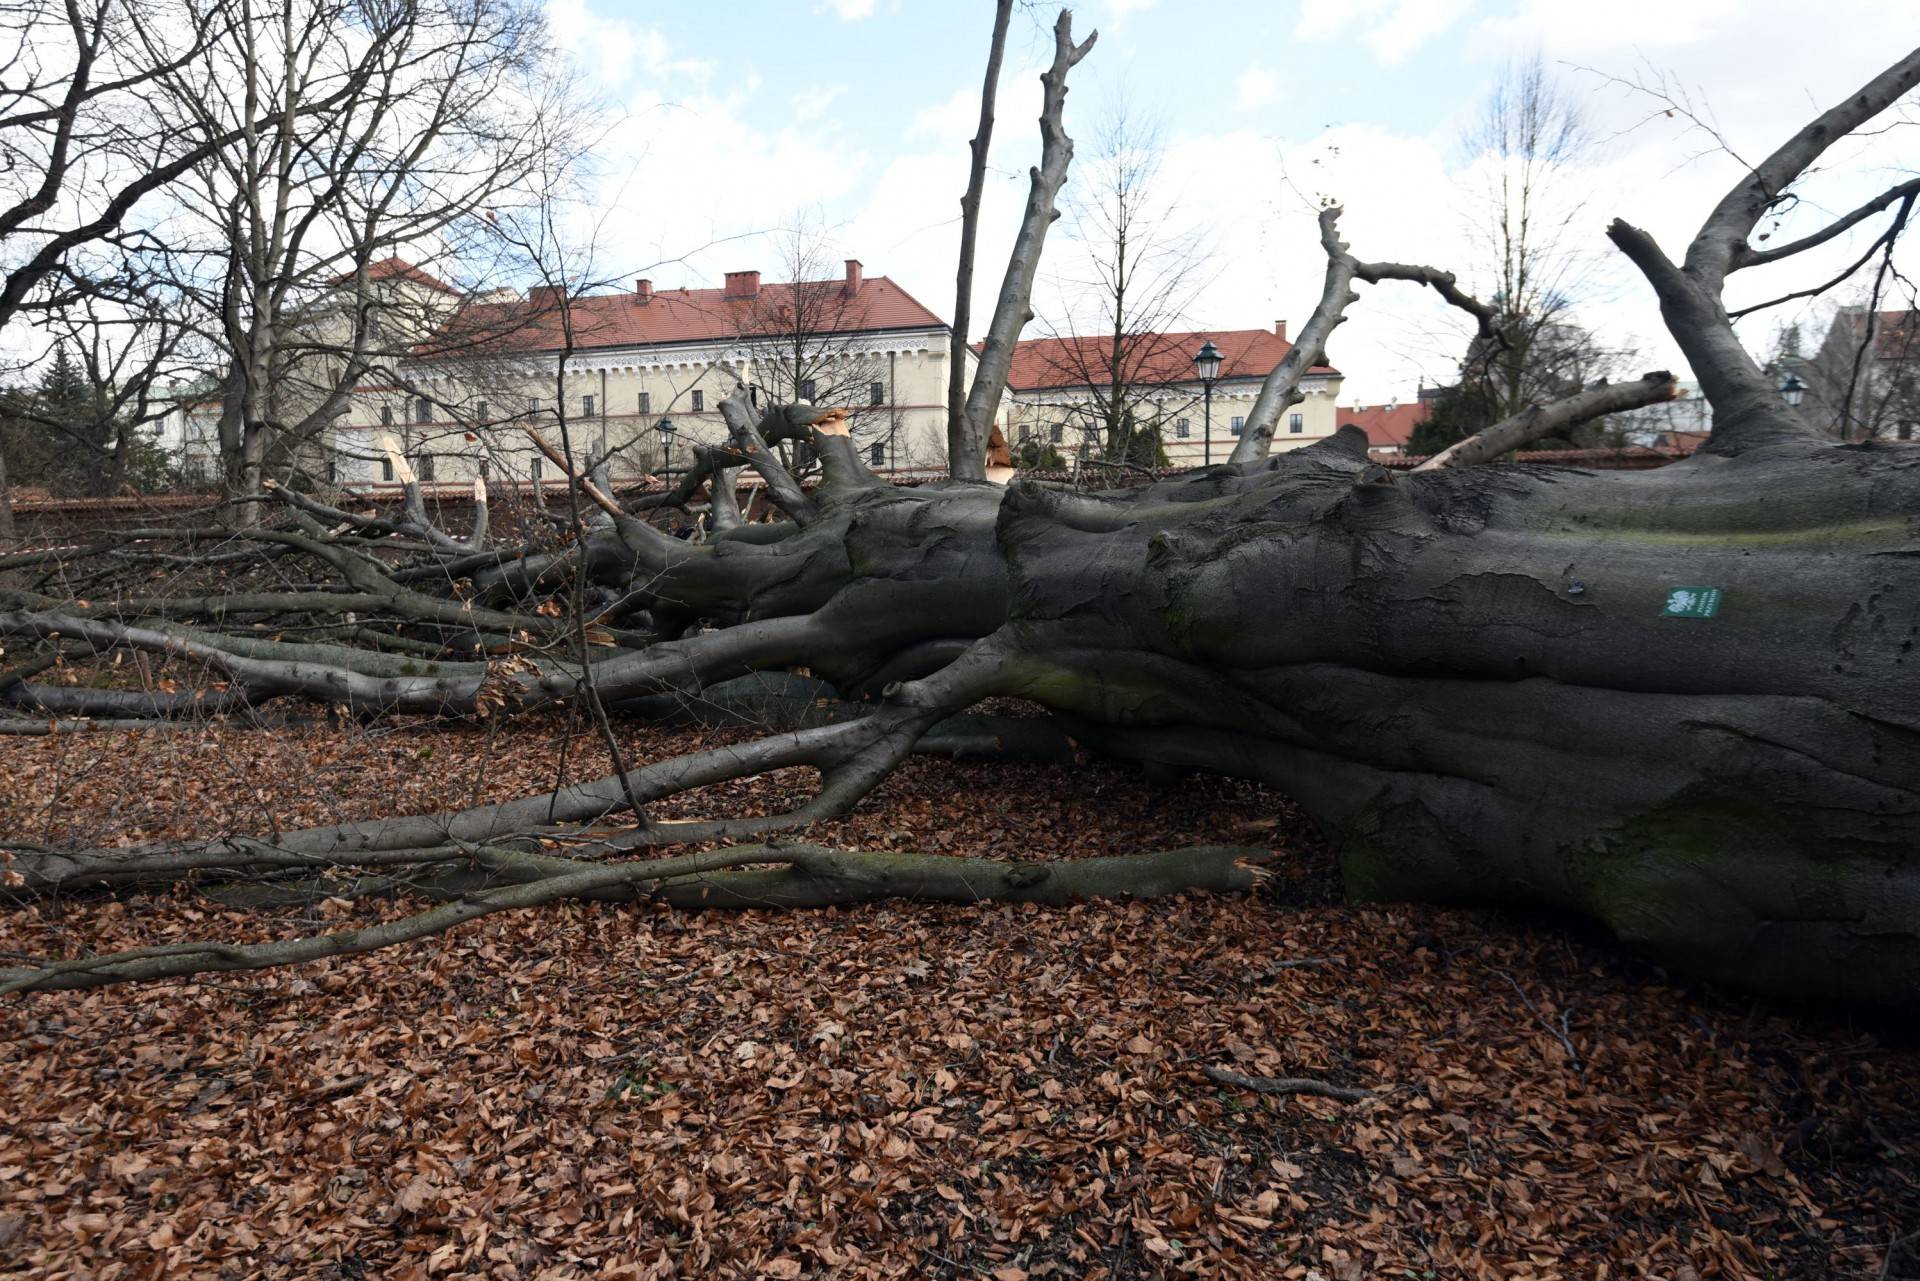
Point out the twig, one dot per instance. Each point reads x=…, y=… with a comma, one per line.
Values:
x=1286, y=1085
x=1893, y=1248
x=1559, y=1033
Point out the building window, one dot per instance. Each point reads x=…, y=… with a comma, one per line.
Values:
x=876, y=394
x=1238, y=423
x=586, y=406
x=533, y=406
x=423, y=467
x=1026, y=432
x=646, y=402
x=536, y=469
x=878, y=452
x=386, y=415
x=806, y=389
x=1296, y=423
x=386, y=468
x=480, y=411
x=753, y=396
x=486, y=469
x=699, y=401
x=1058, y=434
x=1182, y=428
x=422, y=410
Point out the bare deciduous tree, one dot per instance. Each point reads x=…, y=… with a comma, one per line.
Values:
x=361, y=132
x=1134, y=279
x=804, y=339
x=88, y=131
x=1523, y=150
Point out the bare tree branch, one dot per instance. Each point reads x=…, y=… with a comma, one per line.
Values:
x=967, y=448
x=1545, y=420
x=1748, y=256
x=959, y=436
x=1282, y=385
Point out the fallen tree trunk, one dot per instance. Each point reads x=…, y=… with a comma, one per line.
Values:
x=812, y=876
x=503, y=879
x=1681, y=702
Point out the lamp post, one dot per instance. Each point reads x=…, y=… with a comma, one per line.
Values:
x=1206, y=363
x=667, y=432
x=1791, y=390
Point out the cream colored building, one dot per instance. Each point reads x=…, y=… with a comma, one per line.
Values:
x=1061, y=391
x=639, y=357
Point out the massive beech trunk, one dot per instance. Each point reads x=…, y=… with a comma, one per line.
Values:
x=1473, y=681
x=1680, y=702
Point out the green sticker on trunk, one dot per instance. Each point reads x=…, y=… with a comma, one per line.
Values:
x=1692, y=602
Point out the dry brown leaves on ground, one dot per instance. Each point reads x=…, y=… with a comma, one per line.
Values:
x=897, y=1090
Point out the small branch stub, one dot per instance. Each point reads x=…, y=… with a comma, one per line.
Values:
x=1284, y=1085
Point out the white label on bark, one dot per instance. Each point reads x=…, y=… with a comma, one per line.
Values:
x=1692, y=602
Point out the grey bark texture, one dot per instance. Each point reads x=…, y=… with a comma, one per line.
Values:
x=966, y=451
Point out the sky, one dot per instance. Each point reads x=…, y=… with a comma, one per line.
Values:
x=730, y=123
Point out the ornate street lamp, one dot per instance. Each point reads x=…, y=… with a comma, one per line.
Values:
x=667, y=432
x=1792, y=389
x=1206, y=363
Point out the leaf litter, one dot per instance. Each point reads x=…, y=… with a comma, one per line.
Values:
x=899, y=1090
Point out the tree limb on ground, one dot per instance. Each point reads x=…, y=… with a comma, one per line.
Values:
x=1284, y=1085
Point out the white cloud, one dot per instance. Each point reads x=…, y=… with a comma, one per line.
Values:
x=1411, y=25
x=812, y=103
x=1392, y=29
x=1256, y=88
x=614, y=51
x=678, y=172
x=1623, y=24
x=1325, y=19
x=954, y=117
x=852, y=10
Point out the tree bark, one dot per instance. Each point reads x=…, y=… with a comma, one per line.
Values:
x=1475, y=684
x=805, y=876
x=966, y=452
x=960, y=441
x=1537, y=421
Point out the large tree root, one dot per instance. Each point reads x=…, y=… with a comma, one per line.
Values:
x=800, y=876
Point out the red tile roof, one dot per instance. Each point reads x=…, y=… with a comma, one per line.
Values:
x=1040, y=363
x=687, y=315
x=401, y=269
x=1681, y=442
x=1387, y=426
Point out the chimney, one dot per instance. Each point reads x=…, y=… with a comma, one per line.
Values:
x=1280, y=330
x=542, y=297
x=854, y=276
x=743, y=284
x=643, y=290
